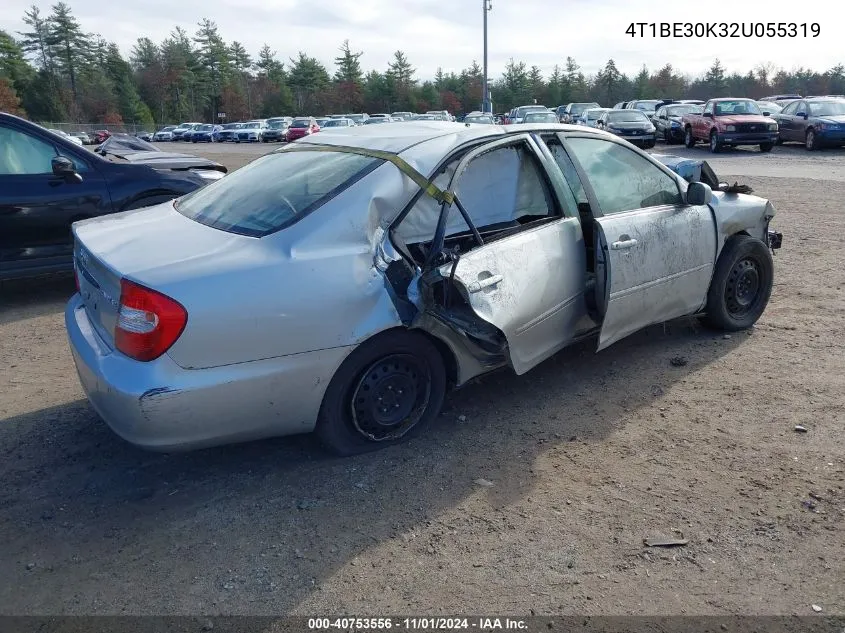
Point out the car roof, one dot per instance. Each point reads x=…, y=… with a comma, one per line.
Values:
x=424, y=144
x=403, y=136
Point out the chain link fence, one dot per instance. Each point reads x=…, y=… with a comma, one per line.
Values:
x=88, y=128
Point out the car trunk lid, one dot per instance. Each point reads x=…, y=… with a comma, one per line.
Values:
x=155, y=247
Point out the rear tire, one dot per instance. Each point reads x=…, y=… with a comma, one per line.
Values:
x=689, y=139
x=387, y=390
x=741, y=286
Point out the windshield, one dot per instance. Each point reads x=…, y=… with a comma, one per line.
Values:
x=357, y=117
x=205, y=128
x=592, y=115
x=301, y=124
x=578, y=108
x=627, y=116
x=276, y=125
x=274, y=191
x=769, y=106
x=479, y=119
x=425, y=117
x=541, y=117
x=647, y=106
x=738, y=106
x=376, y=120
x=681, y=110
x=826, y=108
x=522, y=111
x=336, y=123
x=251, y=126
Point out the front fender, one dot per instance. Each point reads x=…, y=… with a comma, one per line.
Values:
x=741, y=213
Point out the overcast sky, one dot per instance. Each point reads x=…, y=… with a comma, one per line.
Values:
x=448, y=33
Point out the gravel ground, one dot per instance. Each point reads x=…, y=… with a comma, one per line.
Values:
x=531, y=493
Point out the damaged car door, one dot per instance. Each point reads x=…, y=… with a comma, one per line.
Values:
x=656, y=252
x=513, y=254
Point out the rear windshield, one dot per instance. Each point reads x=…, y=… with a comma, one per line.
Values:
x=626, y=116
x=274, y=191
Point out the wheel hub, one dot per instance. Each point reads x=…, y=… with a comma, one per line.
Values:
x=743, y=287
x=391, y=397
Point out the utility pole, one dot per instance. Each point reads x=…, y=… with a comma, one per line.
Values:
x=486, y=106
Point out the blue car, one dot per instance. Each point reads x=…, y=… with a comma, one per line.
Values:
x=815, y=122
x=204, y=134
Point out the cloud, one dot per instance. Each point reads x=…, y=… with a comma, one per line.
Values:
x=439, y=33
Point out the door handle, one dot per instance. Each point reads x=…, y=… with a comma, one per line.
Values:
x=478, y=286
x=626, y=243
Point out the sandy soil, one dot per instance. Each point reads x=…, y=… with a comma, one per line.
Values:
x=531, y=493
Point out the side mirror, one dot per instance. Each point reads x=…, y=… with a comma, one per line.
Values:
x=664, y=117
x=766, y=113
x=698, y=193
x=65, y=169
x=709, y=115
x=803, y=115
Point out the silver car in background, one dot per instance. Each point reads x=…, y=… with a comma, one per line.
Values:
x=344, y=282
x=590, y=117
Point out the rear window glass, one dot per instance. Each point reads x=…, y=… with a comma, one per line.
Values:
x=274, y=191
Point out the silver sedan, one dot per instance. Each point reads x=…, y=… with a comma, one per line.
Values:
x=345, y=282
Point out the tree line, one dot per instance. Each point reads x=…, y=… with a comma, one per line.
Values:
x=53, y=70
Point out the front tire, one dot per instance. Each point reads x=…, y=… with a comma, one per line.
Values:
x=811, y=141
x=387, y=390
x=689, y=139
x=714, y=143
x=741, y=286
x=766, y=147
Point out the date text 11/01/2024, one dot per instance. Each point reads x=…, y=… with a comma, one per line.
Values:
x=360, y=625
x=724, y=29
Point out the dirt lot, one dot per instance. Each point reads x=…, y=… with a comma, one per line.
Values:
x=578, y=461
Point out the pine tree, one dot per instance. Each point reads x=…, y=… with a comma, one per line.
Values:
x=69, y=43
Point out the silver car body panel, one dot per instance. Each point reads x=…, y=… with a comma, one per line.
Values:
x=161, y=406
x=271, y=319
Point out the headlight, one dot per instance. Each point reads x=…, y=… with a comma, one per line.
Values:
x=730, y=128
x=650, y=129
x=675, y=124
x=208, y=174
x=773, y=127
x=825, y=126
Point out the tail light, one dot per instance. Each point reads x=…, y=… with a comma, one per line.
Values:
x=148, y=322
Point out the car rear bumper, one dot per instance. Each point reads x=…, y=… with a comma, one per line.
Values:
x=161, y=406
x=638, y=139
x=744, y=138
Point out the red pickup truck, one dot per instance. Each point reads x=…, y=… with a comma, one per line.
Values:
x=730, y=122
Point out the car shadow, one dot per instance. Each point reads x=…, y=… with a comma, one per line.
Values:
x=27, y=298
x=256, y=528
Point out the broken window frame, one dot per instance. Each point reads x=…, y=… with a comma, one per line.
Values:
x=542, y=164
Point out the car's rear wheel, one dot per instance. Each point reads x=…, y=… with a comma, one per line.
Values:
x=741, y=285
x=689, y=139
x=387, y=390
x=811, y=141
x=714, y=143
